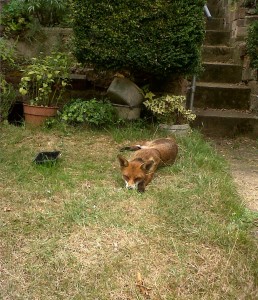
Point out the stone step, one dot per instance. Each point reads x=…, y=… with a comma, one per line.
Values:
x=222, y=96
x=226, y=123
x=250, y=19
x=215, y=24
x=217, y=53
x=221, y=72
x=217, y=37
x=216, y=9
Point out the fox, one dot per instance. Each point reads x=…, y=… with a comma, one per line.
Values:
x=138, y=172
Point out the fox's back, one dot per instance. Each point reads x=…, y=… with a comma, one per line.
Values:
x=162, y=151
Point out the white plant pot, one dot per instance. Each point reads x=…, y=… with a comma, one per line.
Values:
x=126, y=112
x=183, y=129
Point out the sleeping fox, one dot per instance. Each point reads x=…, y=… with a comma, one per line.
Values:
x=139, y=171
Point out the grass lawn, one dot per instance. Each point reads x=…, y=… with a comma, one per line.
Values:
x=72, y=231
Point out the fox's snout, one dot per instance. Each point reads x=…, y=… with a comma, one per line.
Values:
x=131, y=186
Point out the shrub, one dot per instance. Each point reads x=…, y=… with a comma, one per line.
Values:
x=8, y=97
x=15, y=18
x=252, y=44
x=48, y=12
x=156, y=37
x=7, y=54
x=20, y=16
x=92, y=112
x=169, y=109
x=7, y=90
x=44, y=80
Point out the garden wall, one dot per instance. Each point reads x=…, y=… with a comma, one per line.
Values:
x=86, y=82
x=238, y=19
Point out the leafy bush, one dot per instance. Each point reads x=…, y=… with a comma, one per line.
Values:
x=92, y=111
x=7, y=90
x=15, y=17
x=252, y=44
x=7, y=53
x=48, y=12
x=45, y=79
x=8, y=97
x=19, y=16
x=169, y=109
x=155, y=37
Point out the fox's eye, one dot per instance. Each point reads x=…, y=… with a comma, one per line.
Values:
x=126, y=177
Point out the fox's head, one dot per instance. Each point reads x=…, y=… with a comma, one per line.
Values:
x=135, y=172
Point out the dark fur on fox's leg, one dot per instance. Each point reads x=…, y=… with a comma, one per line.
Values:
x=130, y=148
x=141, y=187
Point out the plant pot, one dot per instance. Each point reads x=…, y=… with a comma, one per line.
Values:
x=182, y=129
x=36, y=115
x=127, y=112
x=123, y=91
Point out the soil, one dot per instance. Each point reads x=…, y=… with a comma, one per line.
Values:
x=242, y=155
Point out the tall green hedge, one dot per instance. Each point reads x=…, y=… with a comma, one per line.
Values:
x=158, y=37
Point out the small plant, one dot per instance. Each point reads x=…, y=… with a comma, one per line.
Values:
x=169, y=109
x=45, y=79
x=93, y=112
x=8, y=96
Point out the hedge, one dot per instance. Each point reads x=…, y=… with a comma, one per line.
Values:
x=159, y=37
x=252, y=44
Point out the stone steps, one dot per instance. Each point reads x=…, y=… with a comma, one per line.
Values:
x=217, y=37
x=217, y=53
x=226, y=123
x=215, y=24
x=221, y=72
x=221, y=96
x=221, y=100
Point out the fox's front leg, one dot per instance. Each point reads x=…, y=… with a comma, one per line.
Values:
x=141, y=187
x=143, y=184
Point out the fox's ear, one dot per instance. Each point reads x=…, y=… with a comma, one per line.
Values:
x=123, y=162
x=147, y=166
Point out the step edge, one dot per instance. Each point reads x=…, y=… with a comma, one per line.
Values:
x=221, y=64
x=225, y=113
x=221, y=85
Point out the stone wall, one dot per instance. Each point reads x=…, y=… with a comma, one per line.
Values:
x=48, y=39
x=238, y=19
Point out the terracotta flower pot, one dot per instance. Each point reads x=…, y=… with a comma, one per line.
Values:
x=36, y=115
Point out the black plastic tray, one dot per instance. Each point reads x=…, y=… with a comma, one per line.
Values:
x=47, y=157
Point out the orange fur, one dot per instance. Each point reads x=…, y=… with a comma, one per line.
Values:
x=139, y=170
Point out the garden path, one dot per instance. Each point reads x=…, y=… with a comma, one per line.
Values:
x=242, y=154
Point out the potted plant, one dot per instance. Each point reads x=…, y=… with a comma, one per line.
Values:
x=42, y=85
x=170, y=112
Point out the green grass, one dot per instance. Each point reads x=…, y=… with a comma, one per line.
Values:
x=71, y=230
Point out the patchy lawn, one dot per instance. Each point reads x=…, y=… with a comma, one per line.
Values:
x=71, y=231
